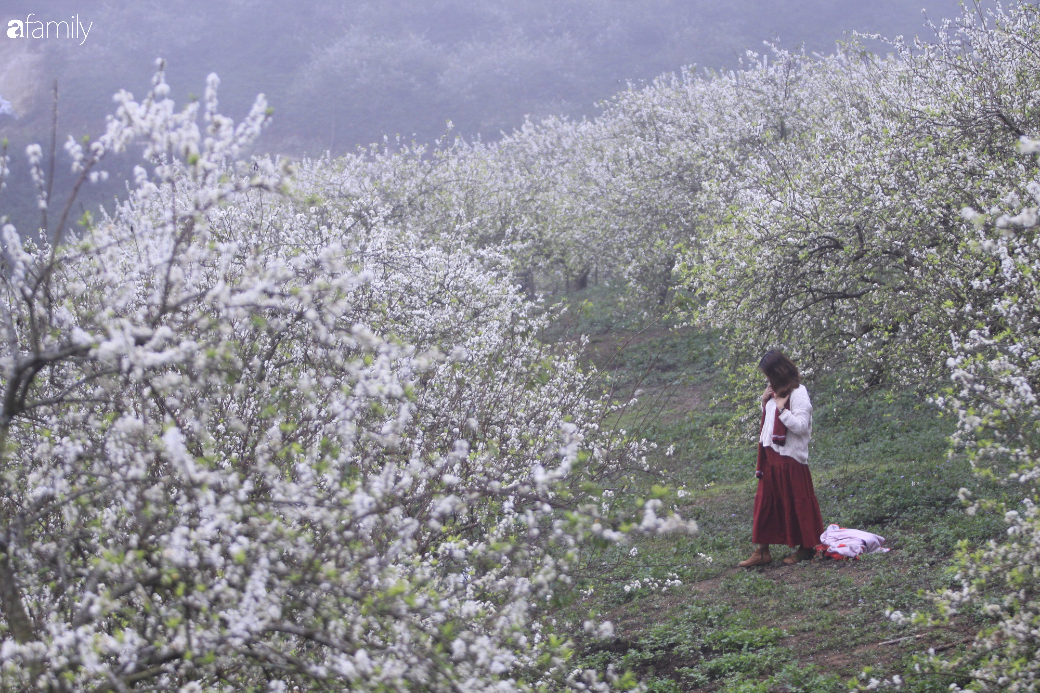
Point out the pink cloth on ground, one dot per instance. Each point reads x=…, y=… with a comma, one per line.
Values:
x=850, y=543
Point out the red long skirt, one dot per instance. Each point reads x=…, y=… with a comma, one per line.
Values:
x=786, y=511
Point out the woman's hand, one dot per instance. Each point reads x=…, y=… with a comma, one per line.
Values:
x=768, y=394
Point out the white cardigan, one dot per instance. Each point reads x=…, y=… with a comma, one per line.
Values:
x=797, y=416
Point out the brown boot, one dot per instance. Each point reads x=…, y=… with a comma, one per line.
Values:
x=759, y=557
x=802, y=554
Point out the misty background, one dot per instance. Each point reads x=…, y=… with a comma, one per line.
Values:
x=345, y=74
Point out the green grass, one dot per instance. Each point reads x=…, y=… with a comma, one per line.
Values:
x=879, y=462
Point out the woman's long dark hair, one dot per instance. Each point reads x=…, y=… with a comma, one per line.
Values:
x=782, y=373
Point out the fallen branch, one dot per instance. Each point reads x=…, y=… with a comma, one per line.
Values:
x=909, y=637
x=941, y=648
x=952, y=645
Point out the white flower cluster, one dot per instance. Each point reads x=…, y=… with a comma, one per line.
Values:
x=652, y=584
x=259, y=430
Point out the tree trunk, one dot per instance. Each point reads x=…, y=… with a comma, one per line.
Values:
x=527, y=283
x=11, y=603
x=10, y=595
x=666, y=281
x=582, y=282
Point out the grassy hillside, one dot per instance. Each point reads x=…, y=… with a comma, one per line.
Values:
x=686, y=617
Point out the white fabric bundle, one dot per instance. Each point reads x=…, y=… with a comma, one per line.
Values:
x=850, y=543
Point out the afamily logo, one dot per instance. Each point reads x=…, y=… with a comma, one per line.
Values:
x=40, y=29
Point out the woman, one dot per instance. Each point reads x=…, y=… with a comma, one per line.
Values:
x=786, y=511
